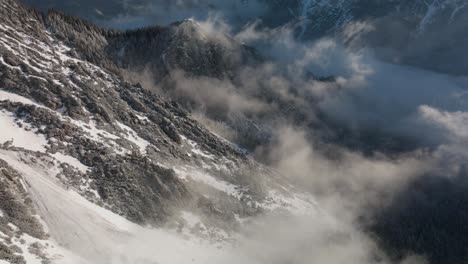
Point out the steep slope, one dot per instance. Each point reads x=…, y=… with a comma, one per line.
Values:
x=79, y=137
x=164, y=57
x=94, y=169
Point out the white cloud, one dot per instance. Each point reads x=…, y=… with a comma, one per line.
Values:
x=455, y=123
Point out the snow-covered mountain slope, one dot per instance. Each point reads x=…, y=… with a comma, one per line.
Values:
x=93, y=159
x=82, y=232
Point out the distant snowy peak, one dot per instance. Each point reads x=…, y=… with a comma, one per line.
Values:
x=332, y=14
x=436, y=7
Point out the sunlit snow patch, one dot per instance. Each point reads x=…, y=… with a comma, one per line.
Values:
x=10, y=131
x=71, y=161
x=133, y=137
x=7, y=96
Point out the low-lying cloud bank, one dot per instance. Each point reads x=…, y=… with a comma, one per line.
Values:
x=365, y=190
